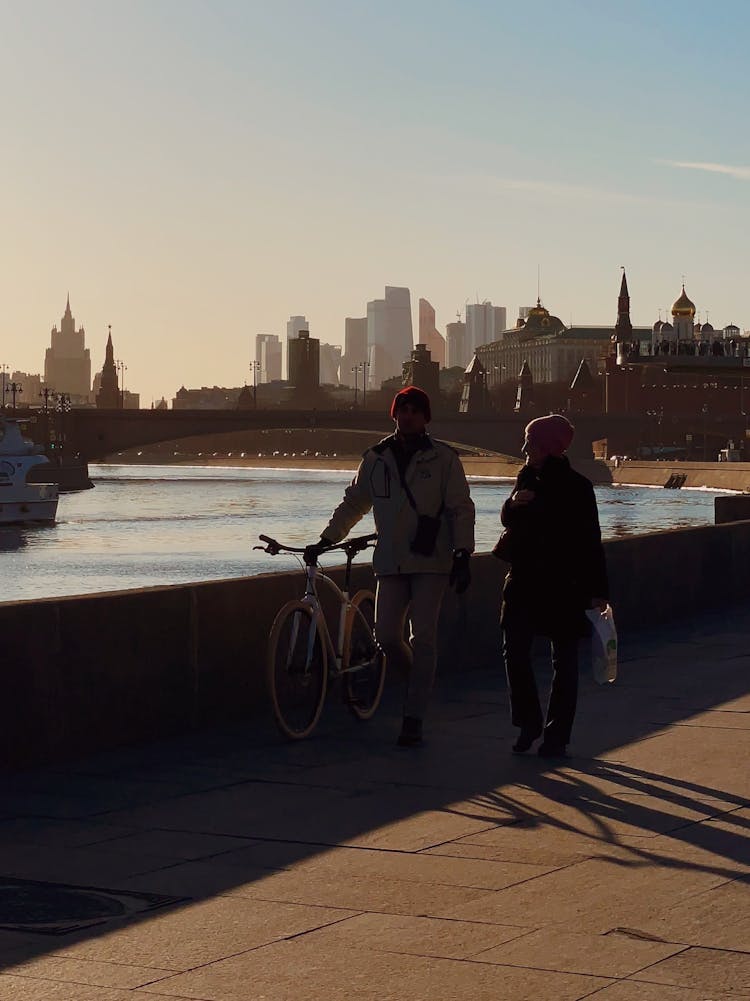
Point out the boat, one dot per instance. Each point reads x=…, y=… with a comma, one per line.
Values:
x=21, y=501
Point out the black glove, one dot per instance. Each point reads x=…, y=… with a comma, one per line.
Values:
x=311, y=553
x=460, y=577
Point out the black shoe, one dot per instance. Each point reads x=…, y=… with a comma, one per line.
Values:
x=547, y=750
x=525, y=739
x=411, y=732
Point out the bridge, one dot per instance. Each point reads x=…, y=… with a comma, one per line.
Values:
x=96, y=434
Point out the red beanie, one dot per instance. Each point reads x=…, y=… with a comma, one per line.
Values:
x=416, y=397
x=553, y=434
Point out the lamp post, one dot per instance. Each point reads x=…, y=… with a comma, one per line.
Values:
x=355, y=370
x=254, y=368
x=15, y=387
x=122, y=369
x=365, y=366
x=704, y=411
x=4, y=370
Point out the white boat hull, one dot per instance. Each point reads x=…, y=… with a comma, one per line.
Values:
x=19, y=512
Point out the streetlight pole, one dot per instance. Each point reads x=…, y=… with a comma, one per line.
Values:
x=4, y=369
x=254, y=367
x=365, y=366
x=122, y=369
x=355, y=370
x=15, y=387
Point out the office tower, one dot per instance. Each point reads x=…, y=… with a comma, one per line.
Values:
x=484, y=324
x=429, y=334
x=294, y=325
x=355, y=351
x=455, y=344
x=67, y=362
x=389, y=335
x=304, y=364
x=268, y=357
x=330, y=363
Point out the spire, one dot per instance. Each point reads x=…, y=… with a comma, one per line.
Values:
x=623, y=327
x=67, y=306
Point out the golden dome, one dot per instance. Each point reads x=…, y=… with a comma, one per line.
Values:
x=683, y=306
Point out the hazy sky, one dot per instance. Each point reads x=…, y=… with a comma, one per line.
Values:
x=195, y=172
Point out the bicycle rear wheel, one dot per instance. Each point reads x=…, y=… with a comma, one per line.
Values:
x=363, y=663
x=297, y=670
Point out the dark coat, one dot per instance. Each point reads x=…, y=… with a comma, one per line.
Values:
x=556, y=554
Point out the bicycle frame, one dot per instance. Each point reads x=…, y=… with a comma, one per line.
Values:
x=335, y=653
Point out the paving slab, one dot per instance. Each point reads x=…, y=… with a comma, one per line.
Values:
x=200, y=933
x=87, y=972
x=414, y=936
x=281, y=972
x=615, y=955
x=706, y=969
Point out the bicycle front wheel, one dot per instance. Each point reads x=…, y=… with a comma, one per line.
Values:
x=297, y=670
x=363, y=663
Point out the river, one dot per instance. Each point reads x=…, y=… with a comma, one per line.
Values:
x=146, y=525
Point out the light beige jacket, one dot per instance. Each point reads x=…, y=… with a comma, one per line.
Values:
x=435, y=477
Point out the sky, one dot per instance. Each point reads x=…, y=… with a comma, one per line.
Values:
x=195, y=172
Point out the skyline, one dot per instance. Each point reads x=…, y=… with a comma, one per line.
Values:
x=197, y=176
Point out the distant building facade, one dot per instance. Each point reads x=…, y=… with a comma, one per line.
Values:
x=30, y=391
x=455, y=345
x=330, y=364
x=552, y=350
x=429, y=335
x=67, y=362
x=390, y=336
x=268, y=357
x=485, y=324
x=422, y=371
x=206, y=398
x=304, y=364
x=295, y=325
x=352, y=369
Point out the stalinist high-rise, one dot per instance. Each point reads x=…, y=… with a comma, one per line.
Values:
x=67, y=363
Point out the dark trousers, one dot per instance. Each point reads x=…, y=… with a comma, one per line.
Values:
x=525, y=708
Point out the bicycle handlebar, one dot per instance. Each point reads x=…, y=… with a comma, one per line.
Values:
x=350, y=546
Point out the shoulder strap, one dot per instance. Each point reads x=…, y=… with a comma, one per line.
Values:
x=410, y=495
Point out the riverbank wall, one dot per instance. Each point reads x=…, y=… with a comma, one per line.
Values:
x=83, y=674
x=627, y=472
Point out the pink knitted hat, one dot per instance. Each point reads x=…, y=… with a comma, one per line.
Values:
x=553, y=434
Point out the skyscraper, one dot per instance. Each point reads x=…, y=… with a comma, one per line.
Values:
x=484, y=324
x=455, y=345
x=389, y=335
x=304, y=364
x=268, y=357
x=429, y=334
x=294, y=325
x=67, y=362
x=330, y=363
x=355, y=350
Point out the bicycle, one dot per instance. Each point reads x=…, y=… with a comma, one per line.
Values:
x=302, y=659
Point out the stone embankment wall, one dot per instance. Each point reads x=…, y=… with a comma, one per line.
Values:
x=93, y=672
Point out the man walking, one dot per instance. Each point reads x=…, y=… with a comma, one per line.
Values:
x=558, y=570
x=424, y=516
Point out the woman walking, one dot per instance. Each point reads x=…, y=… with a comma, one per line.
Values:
x=553, y=543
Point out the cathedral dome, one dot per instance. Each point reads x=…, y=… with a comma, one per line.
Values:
x=666, y=326
x=707, y=328
x=541, y=321
x=657, y=326
x=683, y=306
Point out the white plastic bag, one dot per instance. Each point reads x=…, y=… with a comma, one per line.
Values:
x=603, y=645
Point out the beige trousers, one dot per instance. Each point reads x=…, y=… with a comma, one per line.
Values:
x=419, y=596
